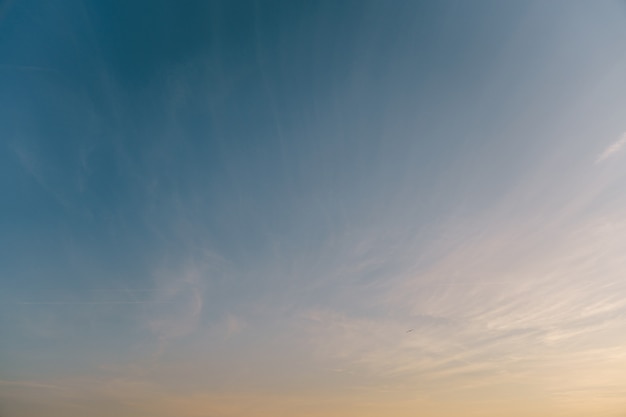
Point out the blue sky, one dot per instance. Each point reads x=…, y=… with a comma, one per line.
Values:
x=312, y=208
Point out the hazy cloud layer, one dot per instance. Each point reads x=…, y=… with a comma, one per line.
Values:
x=324, y=209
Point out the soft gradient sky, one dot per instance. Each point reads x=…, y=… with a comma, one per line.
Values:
x=312, y=208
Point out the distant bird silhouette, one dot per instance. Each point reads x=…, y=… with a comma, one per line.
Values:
x=409, y=331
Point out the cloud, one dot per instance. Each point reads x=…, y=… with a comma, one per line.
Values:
x=531, y=310
x=33, y=165
x=612, y=149
x=234, y=325
x=177, y=305
x=128, y=397
x=87, y=302
x=180, y=318
x=30, y=384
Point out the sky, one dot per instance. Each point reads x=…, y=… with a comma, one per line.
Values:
x=312, y=208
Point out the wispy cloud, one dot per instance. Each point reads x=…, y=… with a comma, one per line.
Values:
x=34, y=166
x=234, y=325
x=64, y=303
x=515, y=316
x=180, y=301
x=612, y=149
x=29, y=384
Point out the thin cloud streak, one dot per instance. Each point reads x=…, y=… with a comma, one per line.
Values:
x=547, y=313
x=31, y=384
x=612, y=150
x=88, y=302
x=334, y=210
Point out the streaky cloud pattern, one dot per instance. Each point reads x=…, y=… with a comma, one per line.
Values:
x=612, y=149
x=331, y=208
